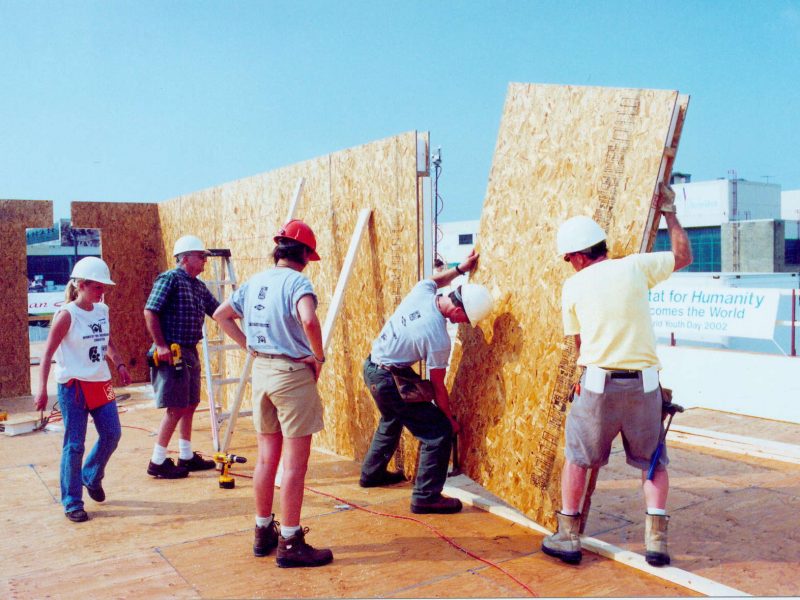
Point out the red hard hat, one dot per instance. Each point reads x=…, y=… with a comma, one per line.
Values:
x=299, y=232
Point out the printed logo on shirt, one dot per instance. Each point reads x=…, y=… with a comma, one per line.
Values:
x=259, y=307
x=96, y=328
x=262, y=293
x=414, y=316
x=403, y=321
x=254, y=324
x=260, y=339
x=94, y=355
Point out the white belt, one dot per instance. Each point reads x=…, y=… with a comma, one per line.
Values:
x=595, y=378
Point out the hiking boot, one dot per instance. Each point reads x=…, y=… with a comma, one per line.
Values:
x=655, y=540
x=438, y=504
x=266, y=539
x=96, y=493
x=294, y=552
x=196, y=463
x=77, y=516
x=167, y=470
x=385, y=478
x=565, y=543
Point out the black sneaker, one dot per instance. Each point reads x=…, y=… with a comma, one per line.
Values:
x=385, y=478
x=266, y=538
x=167, y=470
x=97, y=493
x=77, y=516
x=196, y=463
x=294, y=552
x=438, y=505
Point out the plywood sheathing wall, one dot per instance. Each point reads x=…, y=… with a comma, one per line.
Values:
x=244, y=216
x=561, y=151
x=130, y=240
x=15, y=217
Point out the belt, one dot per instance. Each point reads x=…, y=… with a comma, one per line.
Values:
x=380, y=366
x=623, y=374
x=270, y=356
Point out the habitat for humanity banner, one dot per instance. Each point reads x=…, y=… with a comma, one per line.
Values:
x=715, y=311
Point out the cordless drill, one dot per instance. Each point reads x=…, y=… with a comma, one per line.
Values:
x=226, y=480
x=177, y=361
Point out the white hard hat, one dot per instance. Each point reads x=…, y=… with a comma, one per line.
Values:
x=93, y=269
x=188, y=243
x=578, y=233
x=477, y=301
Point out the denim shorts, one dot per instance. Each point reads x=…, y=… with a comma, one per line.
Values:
x=175, y=388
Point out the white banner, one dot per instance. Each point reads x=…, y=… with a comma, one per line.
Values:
x=714, y=311
x=45, y=303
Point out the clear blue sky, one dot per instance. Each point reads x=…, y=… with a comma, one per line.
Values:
x=143, y=101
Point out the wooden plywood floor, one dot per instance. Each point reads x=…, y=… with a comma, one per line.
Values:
x=190, y=539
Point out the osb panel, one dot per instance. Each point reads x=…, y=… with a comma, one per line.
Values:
x=561, y=151
x=130, y=240
x=15, y=217
x=243, y=215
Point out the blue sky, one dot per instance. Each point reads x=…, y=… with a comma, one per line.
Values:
x=143, y=101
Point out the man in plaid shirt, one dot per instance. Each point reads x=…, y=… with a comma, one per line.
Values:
x=174, y=314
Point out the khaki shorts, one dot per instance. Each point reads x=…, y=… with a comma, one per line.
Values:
x=285, y=398
x=623, y=407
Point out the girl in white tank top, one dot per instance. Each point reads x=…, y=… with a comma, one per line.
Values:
x=80, y=341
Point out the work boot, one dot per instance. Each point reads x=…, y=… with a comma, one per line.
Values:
x=77, y=516
x=96, y=493
x=385, y=478
x=294, y=552
x=655, y=540
x=266, y=539
x=565, y=543
x=167, y=470
x=196, y=463
x=438, y=505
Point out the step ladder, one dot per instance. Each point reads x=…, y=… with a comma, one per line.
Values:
x=222, y=285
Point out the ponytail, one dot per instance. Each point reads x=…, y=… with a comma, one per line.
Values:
x=71, y=292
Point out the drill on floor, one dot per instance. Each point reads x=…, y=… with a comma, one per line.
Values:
x=226, y=480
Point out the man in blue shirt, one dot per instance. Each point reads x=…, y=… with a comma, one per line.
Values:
x=417, y=331
x=174, y=314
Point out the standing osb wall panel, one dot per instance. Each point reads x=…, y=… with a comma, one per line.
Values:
x=130, y=241
x=561, y=151
x=244, y=215
x=15, y=217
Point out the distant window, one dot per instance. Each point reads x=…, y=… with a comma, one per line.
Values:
x=464, y=239
x=706, y=248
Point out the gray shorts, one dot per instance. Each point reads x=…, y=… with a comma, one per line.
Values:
x=178, y=389
x=623, y=407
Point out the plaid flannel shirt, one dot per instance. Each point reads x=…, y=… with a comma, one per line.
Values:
x=181, y=303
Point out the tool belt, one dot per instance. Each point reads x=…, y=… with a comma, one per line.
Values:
x=95, y=393
x=411, y=387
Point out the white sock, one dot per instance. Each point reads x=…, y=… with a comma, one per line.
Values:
x=657, y=511
x=569, y=513
x=159, y=454
x=263, y=521
x=287, y=532
x=184, y=449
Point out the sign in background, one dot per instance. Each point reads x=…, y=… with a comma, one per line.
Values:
x=45, y=303
x=713, y=311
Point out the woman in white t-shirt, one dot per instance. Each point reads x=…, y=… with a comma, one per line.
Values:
x=80, y=340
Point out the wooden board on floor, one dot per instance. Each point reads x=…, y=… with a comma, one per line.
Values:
x=15, y=217
x=561, y=151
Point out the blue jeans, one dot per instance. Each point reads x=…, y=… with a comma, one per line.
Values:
x=424, y=420
x=109, y=431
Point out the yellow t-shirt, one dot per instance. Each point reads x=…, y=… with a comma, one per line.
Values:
x=607, y=304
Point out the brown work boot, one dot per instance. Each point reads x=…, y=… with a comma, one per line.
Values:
x=655, y=540
x=294, y=552
x=437, y=505
x=565, y=543
x=266, y=538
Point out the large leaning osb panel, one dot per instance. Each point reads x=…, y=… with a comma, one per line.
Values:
x=245, y=214
x=15, y=217
x=561, y=151
x=130, y=240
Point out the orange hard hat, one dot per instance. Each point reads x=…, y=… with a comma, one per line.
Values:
x=298, y=231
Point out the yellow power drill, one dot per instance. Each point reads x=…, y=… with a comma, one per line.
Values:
x=226, y=480
x=177, y=361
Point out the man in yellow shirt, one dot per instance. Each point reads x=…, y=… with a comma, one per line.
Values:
x=605, y=306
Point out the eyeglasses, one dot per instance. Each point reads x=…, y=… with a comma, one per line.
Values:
x=455, y=297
